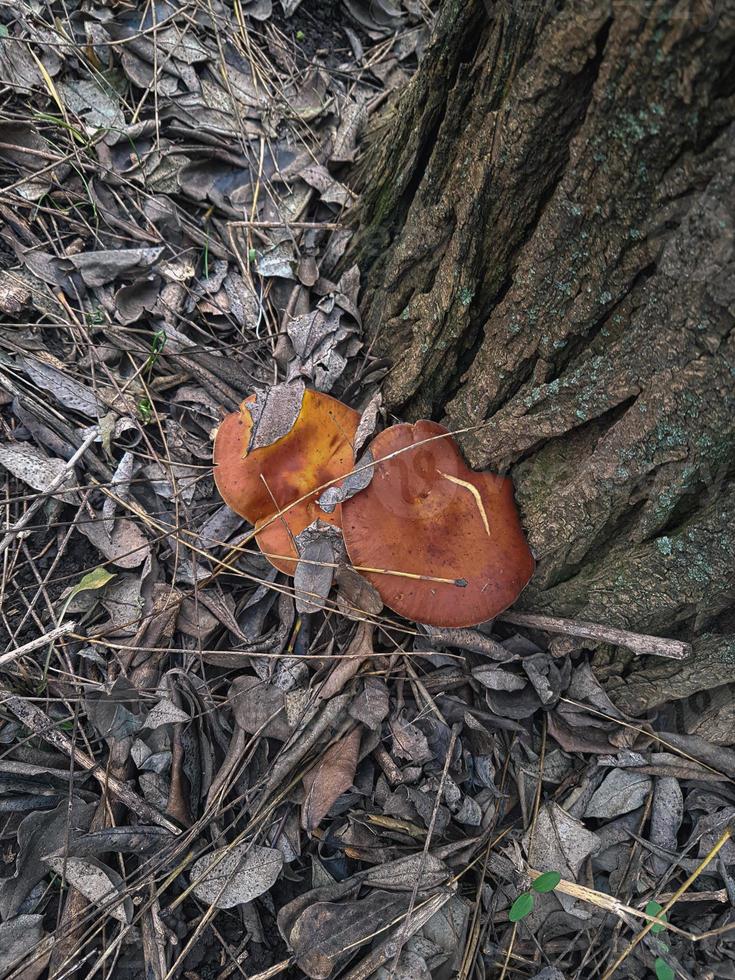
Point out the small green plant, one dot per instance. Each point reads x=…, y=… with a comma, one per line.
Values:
x=95, y=317
x=661, y=967
x=663, y=970
x=158, y=342
x=145, y=411
x=523, y=905
x=653, y=908
x=53, y=120
x=96, y=579
x=300, y=36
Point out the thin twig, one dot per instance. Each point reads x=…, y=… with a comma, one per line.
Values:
x=322, y=225
x=40, y=724
x=404, y=933
x=40, y=641
x=609, y=903
x=659, y=920
x=273, y=971
x=509, y=951
x=54, y=485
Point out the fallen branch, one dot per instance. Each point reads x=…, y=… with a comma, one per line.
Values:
x=40, y=724
x=40, y=641
x=321, y=225
x=640, y=643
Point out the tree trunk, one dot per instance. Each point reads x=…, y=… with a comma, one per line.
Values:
x=547, y=238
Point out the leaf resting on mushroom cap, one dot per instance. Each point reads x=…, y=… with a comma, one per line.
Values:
x=260, y=483
x=426, y=513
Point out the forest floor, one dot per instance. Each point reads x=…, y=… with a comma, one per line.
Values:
x=201, y=775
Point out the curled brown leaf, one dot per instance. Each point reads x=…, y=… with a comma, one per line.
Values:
x=330, y=777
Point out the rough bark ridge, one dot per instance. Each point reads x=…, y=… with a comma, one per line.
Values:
x=548, y=236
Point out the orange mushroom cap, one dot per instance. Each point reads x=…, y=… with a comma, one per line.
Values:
x=260, y=483
x=427, y=513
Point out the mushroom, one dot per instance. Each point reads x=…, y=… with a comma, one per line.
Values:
x=427, y=515
x=261, y=483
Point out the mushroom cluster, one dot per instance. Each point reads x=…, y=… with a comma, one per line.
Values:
x=442, y=544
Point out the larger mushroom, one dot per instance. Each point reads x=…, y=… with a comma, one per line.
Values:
x=259, y=483
x=425, y=516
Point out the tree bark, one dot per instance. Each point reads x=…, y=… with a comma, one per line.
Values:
x=547, y=238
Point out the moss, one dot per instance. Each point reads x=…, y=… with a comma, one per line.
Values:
x=383, y=203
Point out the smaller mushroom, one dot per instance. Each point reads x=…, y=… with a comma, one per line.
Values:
x=425, y=516
x=260, y=483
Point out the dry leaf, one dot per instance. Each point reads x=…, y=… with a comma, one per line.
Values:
x=358, y=651
x=327, y=933
x=98, y=883
x=559, y=842
x=126, y=547
x=98, y=268
x=620, y=792
x=259, y=707
x=332, y=776
x=18, y=937
x=239, y=874
x=274, y=413
x=28, y=464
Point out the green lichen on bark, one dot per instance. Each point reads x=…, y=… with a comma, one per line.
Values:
x=647, y=587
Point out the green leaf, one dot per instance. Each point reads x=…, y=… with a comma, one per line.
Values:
x=4, y=32
x=522, y=906
x=663, y=970
x=653, y=908
x=546, y=882
x=96, y=579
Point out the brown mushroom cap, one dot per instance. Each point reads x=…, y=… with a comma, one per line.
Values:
x=256, y=485
x=427, y=513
